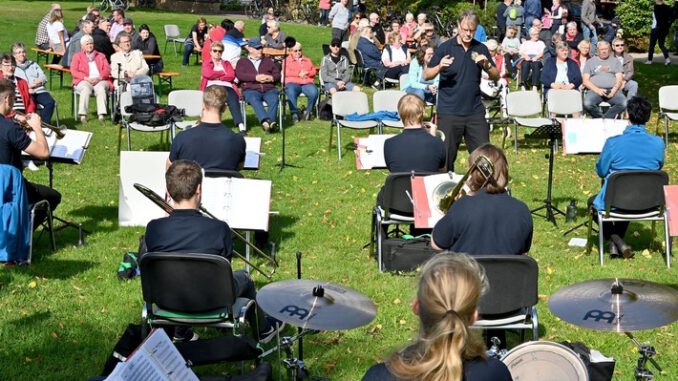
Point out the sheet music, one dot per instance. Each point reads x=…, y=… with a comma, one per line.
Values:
x=241, y=203
x=252, y=153
x=147, y=168
x=426, y=212
x=51, y=140
x=370, y=151
x=72, y=146
x=589, y=135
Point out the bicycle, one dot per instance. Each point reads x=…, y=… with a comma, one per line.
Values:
x=105, y=5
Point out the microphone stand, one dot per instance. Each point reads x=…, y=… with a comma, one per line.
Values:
x=289, y=42
x=116, y=110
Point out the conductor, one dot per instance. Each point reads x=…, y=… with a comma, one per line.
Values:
x=460, y=62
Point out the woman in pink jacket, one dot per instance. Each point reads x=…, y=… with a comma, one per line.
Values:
x=217, y=72
x=91, y=73
x=298, y=76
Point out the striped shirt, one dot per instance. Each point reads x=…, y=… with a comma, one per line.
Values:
x=18, y=100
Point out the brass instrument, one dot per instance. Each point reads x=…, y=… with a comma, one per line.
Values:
x=59, y=131
x=157, y=200
x=446, y=193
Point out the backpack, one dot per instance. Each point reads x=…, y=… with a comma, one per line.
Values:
x=129, y=267
x=325, y=110
x=154, y=114
x=513, y=13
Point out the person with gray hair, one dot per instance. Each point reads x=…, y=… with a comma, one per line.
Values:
x=35, y=78
x=86, y=27
x=127, y=63
x=274, y=37
x=602, y=78
x=91, y=73
x=629, y=86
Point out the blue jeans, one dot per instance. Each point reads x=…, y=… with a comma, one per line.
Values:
x=257, y=99
x=324, y=13
x=48, y=103
x=188, y=50
x=425, y=94
x=592, y=104
x=293, y=90
x=587, y=36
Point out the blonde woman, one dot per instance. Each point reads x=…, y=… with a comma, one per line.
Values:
x=446, y=349
x=58, y=35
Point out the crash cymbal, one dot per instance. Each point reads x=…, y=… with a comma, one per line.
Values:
x=623, y=305
x=316, y=305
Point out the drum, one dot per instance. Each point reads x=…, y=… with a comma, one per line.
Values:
x=545, y=361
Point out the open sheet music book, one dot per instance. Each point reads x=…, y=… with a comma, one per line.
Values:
x=241, y=203
x=70, y=149
x=370, y=151
x=156, y=359
x=426, y=212
x=589, y=135
x=252, y=153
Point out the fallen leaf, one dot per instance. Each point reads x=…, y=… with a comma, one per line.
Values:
x=32, y=284
x=54, y=335
x=396, y=301
x=646, y=253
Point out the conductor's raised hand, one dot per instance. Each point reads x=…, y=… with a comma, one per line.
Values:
x=446, y=61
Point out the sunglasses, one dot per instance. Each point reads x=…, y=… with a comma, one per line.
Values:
x=335, y=45
x=618, y=45
x=216, y=51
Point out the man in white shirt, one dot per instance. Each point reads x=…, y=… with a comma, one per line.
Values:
x=127, y=63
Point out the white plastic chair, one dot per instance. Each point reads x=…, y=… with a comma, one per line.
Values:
x=345, y=103
x=524, y=108
x=126, y=100
x=387, y=100
x=668, y=108
x=188, y=100
x=173, y=35
x=564, y=102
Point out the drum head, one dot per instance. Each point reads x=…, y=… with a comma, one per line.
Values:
x=545, y=361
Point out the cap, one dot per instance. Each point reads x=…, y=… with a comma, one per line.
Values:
x=127, y=20
x=336, y=41
x=254, y=42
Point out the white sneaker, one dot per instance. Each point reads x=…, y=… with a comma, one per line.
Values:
x=83, y=119
x=241, y=127
x=667, y=62
x=648, y=62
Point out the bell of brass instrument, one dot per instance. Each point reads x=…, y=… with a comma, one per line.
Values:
x=59, y=131
x=446, y=193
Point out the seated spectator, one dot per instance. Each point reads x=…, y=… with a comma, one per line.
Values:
x=148, y=45
x=216, y=34
x=426, y=90
x=378, y=29
x=58, y=35
x=354, y=38
x=431, y=35
x=186, y=230
x=128, y=26
x=420, y=28
x=514, y=15
x=629, y=86
x=634, y=149
x=395, y=59
x=299, y=76
x=22, y=97
x=482, y=213
x=408, y=29
x=210, y=144
x=102, y=42
x=91, y=73
x=417, y=148
x=127, y=63
x=573, y=38
x=445, y=348
x=511, y=46
x=269, y=16
x=258, y=76
x=369, y=51
x=550, y=50
x=234, y=41
x=217, y=72
x=584, y=53
x=544, y=33
x=86, y=28
x=353, y=26
x=35, y=79
x=334, y=70
x=274, y=39
x=194, y=40
x=42, y=40
x=531, y=51
x=602, y=78
x=398, y=31
x=498, y=88
x=561, y=72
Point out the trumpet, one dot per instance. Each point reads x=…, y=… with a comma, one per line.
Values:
x=446, y=193
x=59, y=131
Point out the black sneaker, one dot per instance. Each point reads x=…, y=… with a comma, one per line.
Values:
x=307, y=115
x=274, y=127
x=276, y=326
x=266, y=125
x=188, y=336
x=295, y=118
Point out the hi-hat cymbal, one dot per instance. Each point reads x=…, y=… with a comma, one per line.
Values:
x=316, y=305
x=623, y=305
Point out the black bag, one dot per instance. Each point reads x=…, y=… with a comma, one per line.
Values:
x=153, y=114
x=400, y=254
x=325, y=110
x=129, y=267
x=129, y=341
x=598, y=371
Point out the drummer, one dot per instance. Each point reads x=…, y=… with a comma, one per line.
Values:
x=446, y=348
x=186, y=230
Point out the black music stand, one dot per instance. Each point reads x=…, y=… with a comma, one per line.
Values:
x=289, y=43
x=551, y=132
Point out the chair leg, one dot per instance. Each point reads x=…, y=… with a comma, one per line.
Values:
x=666, y=137
x=600, y=240
x=50, y=227
x=339, y=140
x=515, y=136
x=667, y=241
x=129, y=138
x=535, y=324
x=329, y=146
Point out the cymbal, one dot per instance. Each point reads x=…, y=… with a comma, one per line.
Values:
x=316, y=305
x=623, y=305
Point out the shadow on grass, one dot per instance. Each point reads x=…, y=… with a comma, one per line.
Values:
x=98, y=218
x=55, y=268
x=37, y=318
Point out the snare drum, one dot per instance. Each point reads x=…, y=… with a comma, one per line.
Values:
x=545, y=361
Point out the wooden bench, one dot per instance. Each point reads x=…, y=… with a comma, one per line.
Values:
x=44, y=53
x=165, y=77
x=59, y=70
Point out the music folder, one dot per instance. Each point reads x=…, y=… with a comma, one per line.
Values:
x=426, y=213
x=589, y=135
x=70, y=149
x=671, y=200
x=252, y=153
x=369, y=152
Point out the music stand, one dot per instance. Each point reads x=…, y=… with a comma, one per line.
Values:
x=289, y=43
x=550, y=132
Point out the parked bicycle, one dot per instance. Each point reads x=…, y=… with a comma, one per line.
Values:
x=107, y=5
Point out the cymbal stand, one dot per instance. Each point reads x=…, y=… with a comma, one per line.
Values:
x=552, y=131
x=646, y=351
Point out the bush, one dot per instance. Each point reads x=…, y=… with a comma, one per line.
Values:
x=636, y=20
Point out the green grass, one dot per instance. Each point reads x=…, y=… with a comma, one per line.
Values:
x=62, y=315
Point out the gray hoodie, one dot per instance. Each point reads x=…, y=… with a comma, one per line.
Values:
x=332, y=73
x=30, y=71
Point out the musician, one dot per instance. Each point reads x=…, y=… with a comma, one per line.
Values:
x=210, y=144
x=13, y=140
x=446, y=348
x=22, y=98
x=488, y=220
x=634, y=149
x=186, y=230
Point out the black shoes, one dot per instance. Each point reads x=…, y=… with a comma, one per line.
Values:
x=620, y=246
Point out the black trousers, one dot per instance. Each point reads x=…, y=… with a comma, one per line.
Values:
x=36, y=193
x=658, y=36
x=473, y=129
x=609, y=228
x=531, y=73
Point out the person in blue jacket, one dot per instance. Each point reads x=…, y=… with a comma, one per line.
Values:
x=560, y=72
x=370, y=52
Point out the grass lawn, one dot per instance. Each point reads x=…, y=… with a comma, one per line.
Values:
x=62, y=315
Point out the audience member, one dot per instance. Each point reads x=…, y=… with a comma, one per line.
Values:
x=234, y=41
x=216, y=34
x=477, y=223
x=573, y=38
x=22, y=97
x=127, y=63
x=274, y=38
x=186, y=230
x=299, y=78
x=514, y=15
x=148, y=45
x=495, y=88
x=430, y=34
x=378, y=29
x=324, y=8
x=589, y=19
x=340, y=16
x=545, y=34
x=531, y=51
x=91, y=73
x=194, y=40
x=35, y=78
x=511, y=46
x=217, y=72
x=662, y=17
x=634, y=149
x=335, y=72
x=602, y=77
x=426, y=90
x=116, y=24
x=42, y=40
x=550, y=49
x=408, y=29
x=395, y=59
x=353, y=26
x=556, y=16
x=398, y=31
x=446, y=348
x=561, y=72
x=584, y=53
x=629, y=86
x=86, y=28
x=58, y=35
x=353, y=40
x=532, y=12
x=258, y=76
x=102, y=42
x=369, y=51
x=263, y=28
x=128, y=26
x=419, y=30
x=500, y=18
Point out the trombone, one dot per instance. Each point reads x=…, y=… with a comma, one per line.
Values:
x=59, y=131
x=157, y=200
x=446, y=193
